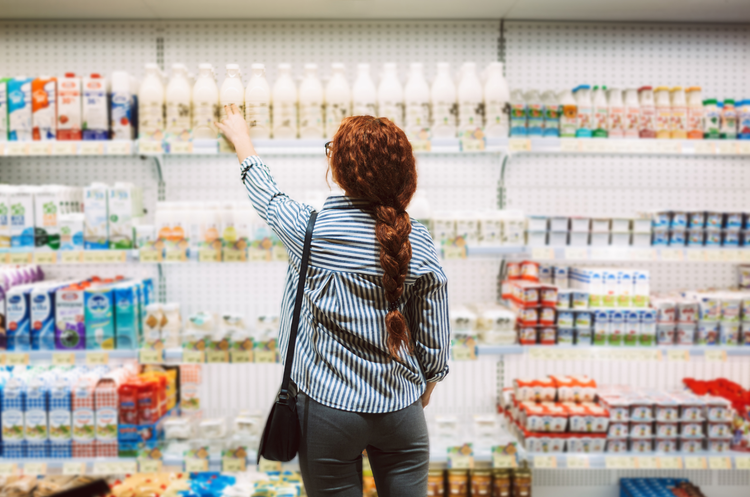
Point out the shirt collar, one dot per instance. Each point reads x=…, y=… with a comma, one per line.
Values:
x=344, y=202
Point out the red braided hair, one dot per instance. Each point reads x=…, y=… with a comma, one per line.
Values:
x=372, y=159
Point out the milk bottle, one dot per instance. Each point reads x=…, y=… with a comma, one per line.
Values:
x=311, y=104
x=663, y=112
x=178, y=104
x=44, y=108
x=95, y=108
x=444, y=108
x=69, y=107
x=391, y=95
x=647, y=124
x=471, y=103
x=258, y=104
x=729, y=120
x=585, y=111
x=616, y=121
x=232, y=91
x=338, y=99
x=551, y=114
x=205, y=104
x=496, y=102
x=631, y=119
x=679, y=114
x=518, y=113
x=534, y=113
x=417, y=103
x=151, y=105
x=711, y=118
x=569, y=114
x=284, y=105
x=694, y=113
x=601, y=113
x=19, y=109
x=122, y=109
x=364, y=93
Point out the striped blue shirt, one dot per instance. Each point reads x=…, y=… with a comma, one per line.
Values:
x=342, y=358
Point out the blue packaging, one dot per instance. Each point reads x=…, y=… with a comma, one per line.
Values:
x=661, y=237
x=99, y=318
x=679, y=220
x=713, y=237
x=19, y=109
x=43, y=317
x=696, y=220
x=677, y=237
x=127, y=320
x=733, y=220
x=731, y=238
x=95, y=108
x=18, y=315
x=148, y=291
x=696, y=237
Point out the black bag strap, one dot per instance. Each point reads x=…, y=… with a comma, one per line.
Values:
x=284, y=393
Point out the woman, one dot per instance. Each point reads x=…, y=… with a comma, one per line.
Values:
x=374, y=330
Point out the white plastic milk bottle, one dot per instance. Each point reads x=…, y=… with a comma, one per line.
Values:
x=616, y=124
x=178, y=104
x=663, y=112
x=284, y=105
x=338, y=99
x=470, y=101
x=443, y=96
x=695, y=113
x=364, y=93
x=258, y=104
x=391, y=95
x=205, y=104
x=496, y=102
x=232, y=91
x=585, y=111
x=632, y=117
x=151, y=105
x=311, y=104
x=417, y=100
x=679, y=113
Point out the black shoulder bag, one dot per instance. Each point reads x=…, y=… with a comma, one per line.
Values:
x=280, y=440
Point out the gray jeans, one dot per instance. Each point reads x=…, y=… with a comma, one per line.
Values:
x=330, y=452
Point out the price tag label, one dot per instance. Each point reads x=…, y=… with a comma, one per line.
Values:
x=718, y=462
x=670, y=463
x=45, y=257
x=646, y=462
x=217, y=356
x=16, y=148
x=8, y=469
x=570, y=145
x=35, y=468
x=91, y=148
x=716, y=355
x=643, y=254
x=695, y=463
x=74, y=468
x=241, y=356
x=714, y=255
x=71, y=257
x=468, y=145
x=545, y=462
x=672, y=254
x=619, y=462
x=94, y=256
x=150, y=147
x=177, y=255
x=146, y=356
x=678, y=355
x=149, y=466
x=195, y=465
x=578, y=462
x=460, y=461
x=519, y=145
x=742, y=462
x=503, y=461
x=599, y=253
x=115, y=256
x=704, y=147
x=103, y=468
x=209, y=255
x=40, y=148
x=233, y=255
x=743, y=147
x=421, y=145
x=576, y=253
x=64, y=148
x=726, y=147
x=96, y=358
x=543, y=253
x=150, y=256
x=744, y=255
x=21, y=257
x=730, y=255
x=696, y=255
x=17, y=359
x=180, y=147
x=669, y=146
x=125, y=467
x=119, y=148
x=193, y=357
x=454, y=252
x=266, y=466
x=63, y=358
x=463, y=353
x=265, y=356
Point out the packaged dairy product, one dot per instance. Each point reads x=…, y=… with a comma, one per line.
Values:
x=42, y=315
x=338, y=99
x=258, y=103
x=585, y=111
x=534, y=113
x=551, y=107
x=711, y=119
x=19, y=109
x=616, y=122
x=205, y=104
x=729, y=120
x=69, y=121
x=743, y=119
x=647, y=122
x=4, y=109
x=178, y=104
x=310, y=104
x=46, y=220
x=120, y=207
x=4, y=218
x=60, y=415
x=14, y=394
x=95, y=235
x=232, y=91
x=496, y=102
x=679, y=124
x=95, y=110
x=21, y=206
x=18, y=317
x=122, y=107
x=471, y=104
x=71, y=230
x=70, y=328
x=444, y=103
x=364, y=93
x=568, y=115
x=663, y=107
x=518, y=114
x=127, y=314
x=601, y=113
x=151, y=105
x=284, y=105
x=694, y=113
x=391, y=96
x=44, y=108
x=631, y=118
x=99, y=317
x=417, y=104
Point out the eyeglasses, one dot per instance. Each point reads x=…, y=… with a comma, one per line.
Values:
x=328, y=149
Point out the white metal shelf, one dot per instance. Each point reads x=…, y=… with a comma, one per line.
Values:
x=583, y=352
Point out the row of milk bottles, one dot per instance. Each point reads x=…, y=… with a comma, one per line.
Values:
x=182, y=110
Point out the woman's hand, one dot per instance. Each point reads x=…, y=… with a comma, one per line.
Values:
x=427, y=393
x=234, y=129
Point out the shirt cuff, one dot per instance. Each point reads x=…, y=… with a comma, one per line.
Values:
x=249, y=162
x=439, y=376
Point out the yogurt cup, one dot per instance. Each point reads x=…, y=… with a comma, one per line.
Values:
x=620, y=238
x=731, y=306
x=618, y=430
x=600, y=224
x=564, y=299
x=715, y=220
x=583, y=319
x=661, y=219
x=580, y=224
x=731, y=238
x=697, y=220
x=565, y=336
x=642, y=445
x=666, y=430
x=677, y=237
x=660, y=237
x=580, y=299
x=666, y=445
x=584, y=336
x=691, y=445
x=708, y=333
x=729, y=333
x=679, y=220
x=558, y=238
x=536, y=238
x=547, y=335
x=616, y=445
x=599, y=239
x=558, y=223
x=685, y=333
x=719, y=430
x=696, y=237
x=665, y=333
x=733, y=220
x=578, y=238
x=566, y=319
x=719, y=444
x=641, y=239
x=713, y=238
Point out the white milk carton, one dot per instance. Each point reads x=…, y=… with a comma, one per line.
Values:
x=95, y=234
x=95, y=108
x=19, y=109
x=46, y=211
x=122, y=107
x=4, y=218
x=69, y=121
x=21, y=208
x=3, y=109
x=71, y=230
x=120, y=208
x=44, y=108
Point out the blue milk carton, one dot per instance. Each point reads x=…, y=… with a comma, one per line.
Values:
x=99, y=317
x=126, y=315
x=36, y=422
x=19, y=109
x=18, y=315
x=60, y=418
x=12, y=413
x=43, y=316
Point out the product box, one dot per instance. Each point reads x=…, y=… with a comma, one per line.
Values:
x=43, y=316
x=127, y=314
x=4, y=218
x=4, y=109
x=99, y=317
x=105, y=410
x=122, y=106
x=69, y=121
x=84, y=426
x=95, y=209
x=12, y=407
x=70, y=330
x=120, y=208
x=46, y=224
x=60, y=414
x=44, y=108
x=21, y=205
x=71, y=230
x=95, y=109
x=19, y=109
x=36, y=422
x=18, y=316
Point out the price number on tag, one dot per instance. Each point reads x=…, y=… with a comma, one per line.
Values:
x=150, y=147
x=45, y=258
x=503, y=461
x=63, y=358
x=147, y=356
x=265, y=356
x=12, y=359
x=454, y=252
x=716, y=355
x=670, y=463
x=241, y=356
x=217, y=356
x=118, y=148
x=96, y=358
x=91, y=148
x=149, y=466
x=271, y=466
x=40, y=148
x=619, y=462
x=678, y=355
x=464, y=353
x=578, y=462
x=519, y=145
x=545, y=462
x=576, y=253
x=695, y=463
x=195, y=465
x=74, y=468
x=646, y=463
x=150, y=255
x=193, y=357
x=64, y=148
x=180, y=147
x=209, y=255
x=8, y=469
x=718, y=462
x=742, y=462
x=540, y=253
x=21, y=257
x=71, y=257
x=232, y=255
x=35, y=468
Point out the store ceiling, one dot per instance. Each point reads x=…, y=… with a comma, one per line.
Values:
x=734, y=11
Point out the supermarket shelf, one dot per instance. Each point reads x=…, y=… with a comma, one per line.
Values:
x=65, y=148
x=17, y=256
x=652, y=461
x=657, y=353
x=644, y=254
x=629, y=146
x=76, y=466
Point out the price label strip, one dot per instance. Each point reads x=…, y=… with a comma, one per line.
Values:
x=670, y=463
x=8, y=469
x=196, y=465
x=719, y=463
x=35, y=469
x=266, y=466
x=647, y=462
x=146, y=356
x=193, y=357
x=149, y=466
x=217, y=356
x=619, y=462
x=241, y=356
x=74, y=468
x=695, y=463
x=578, y=462
x=545, y=462
x=63, y=359
x=233, y=465
x=96, y=358
x=742, y=462
x=461, y=457
x=264, y=356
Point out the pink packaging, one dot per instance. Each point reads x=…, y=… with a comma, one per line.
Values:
x=618, y=407
x=719, y=444
x=666, y=445
x=666, y=430
x=618, y=429
x=640, y=430
x=617, y=445
x=691, y=445
x=642, y=445
x=586, y=444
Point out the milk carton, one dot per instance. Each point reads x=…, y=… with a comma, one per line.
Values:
x=95, y=233
x=43, y=316
x=18, y=316
x=60, y=415
x=82, y=403
x=99, y=318
x=44, y=108
x=122, y=107
x=21, y=207
x=127, y=314
x=69, y=107
x=120, y=220
x=47, y=228
x=70, y=329
x=95, y=110
x=71, y=231
x=4, y=109
x=19, y=109
x=13, y=406
x=36, y=422
x=4, y=218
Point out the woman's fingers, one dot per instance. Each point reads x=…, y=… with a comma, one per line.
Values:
x=235, y=109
